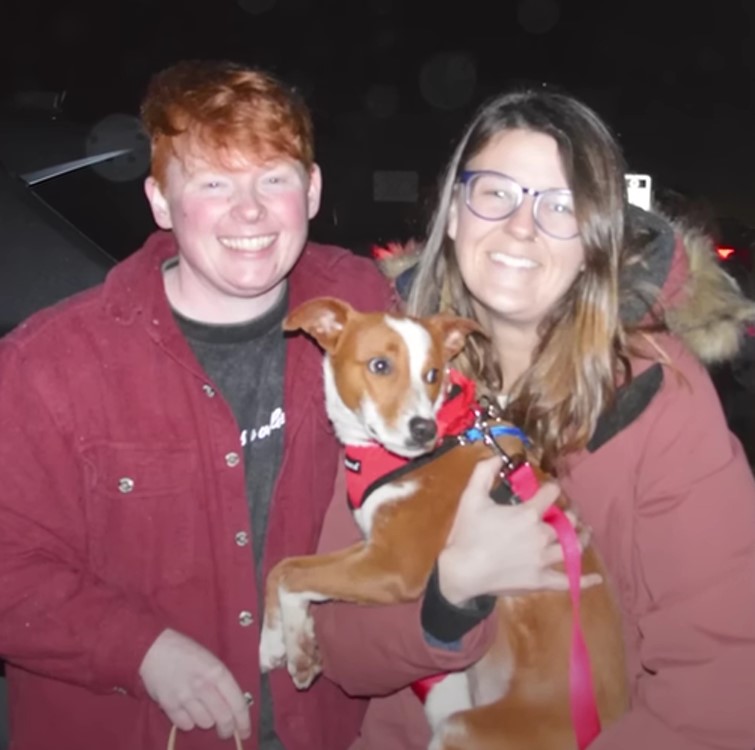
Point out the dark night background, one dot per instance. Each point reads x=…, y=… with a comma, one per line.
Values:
x=391, y=83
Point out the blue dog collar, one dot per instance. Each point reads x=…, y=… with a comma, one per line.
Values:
x=474, y=433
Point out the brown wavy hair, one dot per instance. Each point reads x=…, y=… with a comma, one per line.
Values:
x=583, y=348
x=222, y=108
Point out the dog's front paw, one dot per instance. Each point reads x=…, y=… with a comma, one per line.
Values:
x=305, y=665
x=272, y=644
x=302, y=653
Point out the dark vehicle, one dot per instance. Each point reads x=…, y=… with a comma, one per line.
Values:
x=43, y=257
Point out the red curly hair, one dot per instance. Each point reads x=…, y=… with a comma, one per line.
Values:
x=224, y=108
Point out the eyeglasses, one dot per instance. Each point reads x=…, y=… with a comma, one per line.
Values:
x=494, y=196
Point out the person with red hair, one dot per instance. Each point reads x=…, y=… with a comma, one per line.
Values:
x=163, y=444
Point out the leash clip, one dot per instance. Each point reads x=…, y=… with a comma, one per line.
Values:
x=516, y=473
x=509, y=463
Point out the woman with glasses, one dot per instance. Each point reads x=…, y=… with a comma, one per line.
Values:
x=533, y=237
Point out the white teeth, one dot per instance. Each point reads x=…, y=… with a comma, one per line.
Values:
x=248, y=244
x=513, y=261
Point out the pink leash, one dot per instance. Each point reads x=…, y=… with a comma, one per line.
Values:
x=581, y=691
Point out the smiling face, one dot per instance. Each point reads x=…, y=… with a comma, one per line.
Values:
x=514, y=271
x=240, y=226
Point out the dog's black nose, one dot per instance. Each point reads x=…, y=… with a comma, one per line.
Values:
x=422, y=430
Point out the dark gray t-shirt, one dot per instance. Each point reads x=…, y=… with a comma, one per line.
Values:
x=246, y=364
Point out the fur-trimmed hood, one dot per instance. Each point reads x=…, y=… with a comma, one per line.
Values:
x=678, y=273
x=713, y=314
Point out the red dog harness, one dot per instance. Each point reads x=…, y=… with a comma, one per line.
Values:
x=370, y=465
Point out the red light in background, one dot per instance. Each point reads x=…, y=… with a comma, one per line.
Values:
x=724, y=252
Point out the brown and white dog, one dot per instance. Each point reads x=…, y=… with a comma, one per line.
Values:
x=385, y=383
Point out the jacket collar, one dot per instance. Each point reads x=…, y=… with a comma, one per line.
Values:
x=135, y=286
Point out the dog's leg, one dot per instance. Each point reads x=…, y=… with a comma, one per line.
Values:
x=366, y=573
x=507, y=725
x=272, y=645
x=369, y=572
x=288, y=630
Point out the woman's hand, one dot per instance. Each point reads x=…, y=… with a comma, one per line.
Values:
x=501, y=549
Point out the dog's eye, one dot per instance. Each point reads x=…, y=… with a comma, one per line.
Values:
x=379, y=366
x=431, y=376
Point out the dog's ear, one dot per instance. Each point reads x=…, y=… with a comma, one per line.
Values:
x=454, y=331
x=323, y=318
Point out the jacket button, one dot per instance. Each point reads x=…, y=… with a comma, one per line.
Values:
x=209, y=391
x=245, y=619
x=242, y=539
x=232, y=459
x=125, y=485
